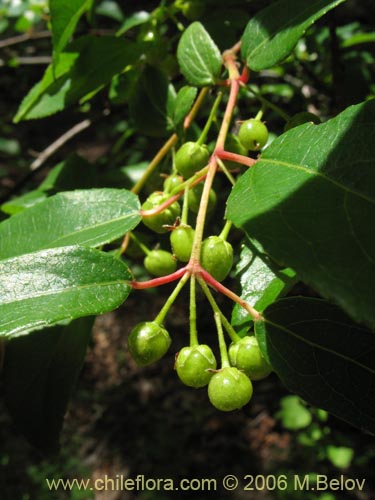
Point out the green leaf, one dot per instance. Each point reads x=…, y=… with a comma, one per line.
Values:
x=152, y=97
x=272, y=33
x=87, y=64
x=39, y=375
x=72, y=173
x=65, y=15
x=340, y=456
x=321, y=355
x=262, y=282
x=43, y=288
x=182, y=104
x=20, y=203
x=134, y=20
x=310, y=202
x=198, y=56
x=90, y=217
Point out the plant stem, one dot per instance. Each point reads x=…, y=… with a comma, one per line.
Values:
x=225, y=231
x=228, y=155
x=222, y=345
x=233, y=296
x=170, y=300
x=193, y=314
x=212, y=116
x=185, y=206
x=227, y=174
x=143, y=247
x=228, y=327
x=163, y=280
x=259, y=115
x=269, y=104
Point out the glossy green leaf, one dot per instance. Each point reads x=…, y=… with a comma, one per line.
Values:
x=321, y=355
x=153, y=96
x=43, y=288
x=262, y=282
x=39, y=375
x=310, y=202
x=182, y=104
x=83, y=217
x=272, y=33
x=85, y=66
x=65, y=15
x=198, y=56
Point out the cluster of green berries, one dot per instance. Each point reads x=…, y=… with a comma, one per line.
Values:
x=229, y=388
x=216, y=253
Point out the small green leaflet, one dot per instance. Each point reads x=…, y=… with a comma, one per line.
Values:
x=198, y=56
x=271, y=34
x=310, y=202
x=321, y=355
x=89, y=217
x=262, y=282
x=39, y=375
x=85, y=66
x=182, y=104
x=43, y=288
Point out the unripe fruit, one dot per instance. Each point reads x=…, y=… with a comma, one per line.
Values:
x=247, y=356
x=167, y=217
x=193, y=365
x=217, y=257
x=300, y=119
x=160, y=263
x=253, y=134
x=172, y=182
x=194, y=199
x=148, y=342
x=190, y=158
x=182, y=242
x=229, y=389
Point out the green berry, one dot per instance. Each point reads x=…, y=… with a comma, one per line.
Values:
x=300, y=119
x=247, y=356
x=182, y=242
x=190, y=158
x=217, y=257
x=194, y=199
x=167, y=217
x=229, y=389
x=253, y=134
x=148, y=342
x=193, y=365
x=160, y=263
x=172, y=182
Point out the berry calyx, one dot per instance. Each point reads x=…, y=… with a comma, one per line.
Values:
x=182, y=242
x=229, y=389
x=148, y=342
x=193, y=365
x=247, y=356
x=301, y=118
x=253, y=134
x=194, y=199
x=190, y=158
x=160, y=263
x=167, y=217
x=217, y=257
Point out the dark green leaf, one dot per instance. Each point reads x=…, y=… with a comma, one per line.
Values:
x=262, y=282
x=39, y=375
x=152, y=97
x=43, y=288
x=272, y=33
x=198, y=56
x=72, y=173
x=310, y=202
x=87, y=64
x=182, y=104
x=83, y=217
x=65, y=15
x=321, y=355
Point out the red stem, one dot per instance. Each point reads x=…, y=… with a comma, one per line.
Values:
x=227, y=155
x=163, y=280
x=160, y=208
